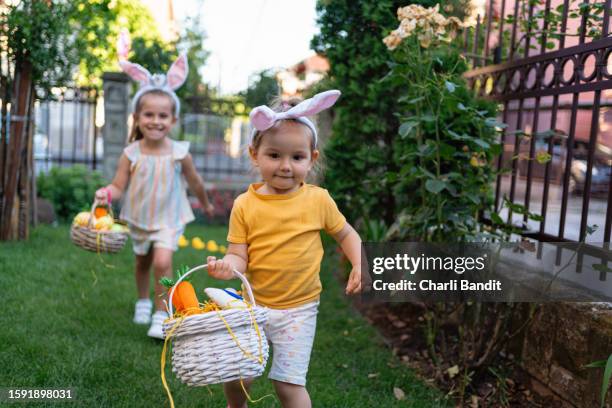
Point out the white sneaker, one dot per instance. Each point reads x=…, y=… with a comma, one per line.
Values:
x=155, y=330
x=142, y=311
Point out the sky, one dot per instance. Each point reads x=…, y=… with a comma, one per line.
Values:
x=247, y=36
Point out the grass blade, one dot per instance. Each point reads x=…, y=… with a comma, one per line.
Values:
x=606, y=380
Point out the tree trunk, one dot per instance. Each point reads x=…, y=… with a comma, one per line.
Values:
x=20, y=113
x=25, y=173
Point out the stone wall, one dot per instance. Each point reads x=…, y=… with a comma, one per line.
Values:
x=561, y=340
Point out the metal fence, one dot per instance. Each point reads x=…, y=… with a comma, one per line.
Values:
x=552, y=87
x=218, y=148
x=68, y=125
x=66, y=132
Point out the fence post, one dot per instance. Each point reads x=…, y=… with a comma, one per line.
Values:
x=116, y=87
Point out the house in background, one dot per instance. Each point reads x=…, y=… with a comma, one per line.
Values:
x=295, y=79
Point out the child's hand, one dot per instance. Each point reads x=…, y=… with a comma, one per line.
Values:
x=353, y=286
x=102, y=195
x=219, y=268
x=209, y=209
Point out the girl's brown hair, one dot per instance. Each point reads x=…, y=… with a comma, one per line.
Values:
x=135, y=133
x=282, y=105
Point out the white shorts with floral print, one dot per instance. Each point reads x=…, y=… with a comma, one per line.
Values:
x=291, y=333
x=163, y=238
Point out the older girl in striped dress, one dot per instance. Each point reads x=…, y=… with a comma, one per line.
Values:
x=152, y=175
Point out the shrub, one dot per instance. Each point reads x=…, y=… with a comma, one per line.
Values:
x=70, y=189
x=361, y=162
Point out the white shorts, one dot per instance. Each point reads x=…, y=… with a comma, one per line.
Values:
x=163, y=238
x=291, y=333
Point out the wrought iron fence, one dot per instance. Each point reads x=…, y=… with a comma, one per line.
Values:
x=218, y=147
x=552, y=86
x=66, y=132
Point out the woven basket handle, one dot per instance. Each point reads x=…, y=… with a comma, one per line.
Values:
x=237, y=274
x=93, y=208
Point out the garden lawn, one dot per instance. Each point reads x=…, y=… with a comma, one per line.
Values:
x=66, y=322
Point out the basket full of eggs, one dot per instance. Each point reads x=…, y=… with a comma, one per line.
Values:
x=97, y=230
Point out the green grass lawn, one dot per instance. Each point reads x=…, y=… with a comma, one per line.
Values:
x=66, y=322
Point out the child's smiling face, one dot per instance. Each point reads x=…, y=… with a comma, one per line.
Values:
x=155, y=116
x=285, y=157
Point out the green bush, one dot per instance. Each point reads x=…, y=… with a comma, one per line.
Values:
x=361, y=160
x=446, y=147
x=70, y=189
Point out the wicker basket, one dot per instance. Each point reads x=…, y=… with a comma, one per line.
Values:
x=97, y=241
x=205, y=352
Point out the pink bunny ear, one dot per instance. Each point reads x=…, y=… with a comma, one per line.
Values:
x=177, y=74
x=123, y=44
x=136, y=72
x=315, y=104
x=262, y=117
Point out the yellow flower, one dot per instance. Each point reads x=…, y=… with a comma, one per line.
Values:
x=425, y=39
x=407, y=26
x=478, y=160
x=222, y=249
x=392, y=41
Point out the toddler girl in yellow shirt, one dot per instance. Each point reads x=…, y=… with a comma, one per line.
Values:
x=274, y=237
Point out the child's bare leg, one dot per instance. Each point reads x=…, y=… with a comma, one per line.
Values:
x=143, y=266
x=292, y=395
x=235, y=394
x=162, y=267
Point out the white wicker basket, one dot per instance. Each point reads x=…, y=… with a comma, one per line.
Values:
x=204, y=352
x=97, y=241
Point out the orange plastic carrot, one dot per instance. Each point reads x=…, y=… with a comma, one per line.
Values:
x=176, y=299
x=189, y=300
x=184, y=298
x=100, y=212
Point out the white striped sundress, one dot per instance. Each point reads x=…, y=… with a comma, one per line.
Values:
x=156, y=197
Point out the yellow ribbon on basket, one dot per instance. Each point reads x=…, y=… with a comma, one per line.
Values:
x=233, y=336
x=99, y=244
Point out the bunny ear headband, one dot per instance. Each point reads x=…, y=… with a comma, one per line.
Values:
x=168, y=83
x=263, y=118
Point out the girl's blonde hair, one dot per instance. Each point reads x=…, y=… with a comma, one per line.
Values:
x=282, y=105
x=135, y=133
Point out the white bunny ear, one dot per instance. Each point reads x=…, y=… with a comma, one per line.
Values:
x=123, y=44
x=315, y=104
x=262, y=118
x=177, y=74
x=136, y=72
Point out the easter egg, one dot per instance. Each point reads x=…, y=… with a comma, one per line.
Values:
x=82, y=219
x=183, y=242
x=117, y=228
x=197, y=243
x=212, y=246
x=103, y=223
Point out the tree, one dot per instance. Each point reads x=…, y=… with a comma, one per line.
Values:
x=191, y=41
x=36, y=49
x=263, y=87
x=359, y=154
x=97, y=24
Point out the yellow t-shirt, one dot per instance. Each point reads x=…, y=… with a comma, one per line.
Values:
x=284, y=242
